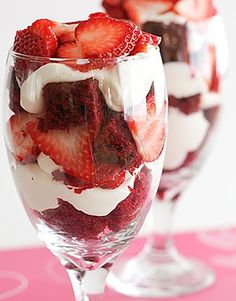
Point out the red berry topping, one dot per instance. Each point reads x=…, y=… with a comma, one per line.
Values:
x=70, y=148
x=24, y=148
x=195, y=10
x=148, y=131
x=106, y=37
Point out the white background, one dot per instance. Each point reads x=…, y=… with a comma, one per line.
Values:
x=210, y=200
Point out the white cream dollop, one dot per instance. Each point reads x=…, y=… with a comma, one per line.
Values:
x=183, y=81
x=123, y=85
x=185, y=134
x=41, y=192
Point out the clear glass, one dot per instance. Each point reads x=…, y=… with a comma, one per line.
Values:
x=195, y=59
x=80, y=169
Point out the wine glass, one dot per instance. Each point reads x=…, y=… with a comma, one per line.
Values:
x=194, y=54
x=84, y=160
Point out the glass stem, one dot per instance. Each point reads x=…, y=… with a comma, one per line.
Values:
x=87, y=285
x=160, y=243
x=77, y=284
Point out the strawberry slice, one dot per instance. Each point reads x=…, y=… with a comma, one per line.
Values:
x=68, y=51
x=98, y=15
x=36, y=40
x=65, y=32
x=138, y=8
x=143, y=42
x=24, y=148
x=106, y=37
x=115, y=8
x=42, y=29
x=149, y=131
x=195, y=10
x=70, y=148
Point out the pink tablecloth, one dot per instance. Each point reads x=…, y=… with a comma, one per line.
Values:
x=35, y=275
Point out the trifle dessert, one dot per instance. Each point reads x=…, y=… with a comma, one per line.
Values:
x=193, y=50
x=86, y=124
x=194, y=63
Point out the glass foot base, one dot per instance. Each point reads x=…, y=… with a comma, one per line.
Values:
x=162, y=277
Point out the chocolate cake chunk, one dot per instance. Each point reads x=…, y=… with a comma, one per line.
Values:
x=174, y=40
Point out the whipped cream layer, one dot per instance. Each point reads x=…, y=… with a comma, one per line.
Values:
x=185, y=134
x=183, y=81
x=41, y=192
x=123, y=85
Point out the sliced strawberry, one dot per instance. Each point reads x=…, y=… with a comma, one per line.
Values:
x=106, y=37
x=24, y=148
x=149, y=131
x=65, y=32
x=36, y=40
x=68, y=51
x=115, y=8
x=70, y=148
x=42, y=29
x=98, y=15
x=195, y=9
x=30, y=44
x=143, y=42
x=137, y=8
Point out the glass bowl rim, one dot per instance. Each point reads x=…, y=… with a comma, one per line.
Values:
x=142, y=55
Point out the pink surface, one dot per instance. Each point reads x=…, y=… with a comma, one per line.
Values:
x=35, y=275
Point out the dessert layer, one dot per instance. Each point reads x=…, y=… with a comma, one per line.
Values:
x=185, y=134
x=122, y=85
x=41, y=192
